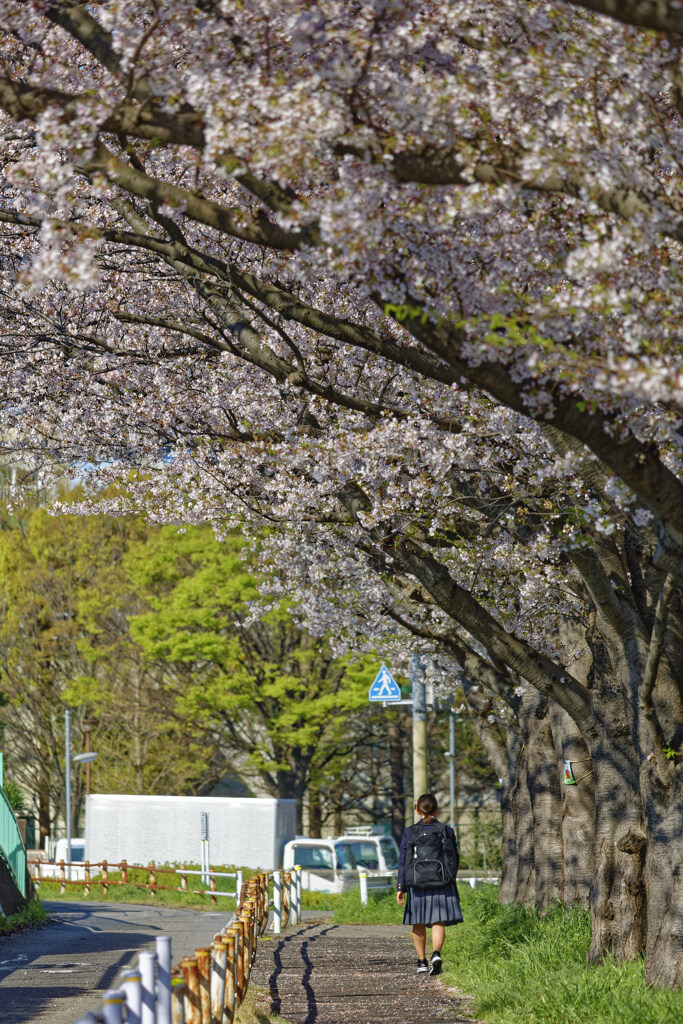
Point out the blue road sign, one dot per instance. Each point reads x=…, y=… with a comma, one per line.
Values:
x=384, y=687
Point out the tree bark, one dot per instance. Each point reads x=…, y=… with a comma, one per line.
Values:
x=578, y=809
x=507, y=893
x=314, y=812
x=543, y=783
x=664, y=877
x=523, y=890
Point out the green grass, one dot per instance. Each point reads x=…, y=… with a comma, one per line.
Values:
x=379, y=910
x=523, y=968
x=32, y=916
x=50, y=890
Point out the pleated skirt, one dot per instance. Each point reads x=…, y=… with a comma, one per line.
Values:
x=433, y=906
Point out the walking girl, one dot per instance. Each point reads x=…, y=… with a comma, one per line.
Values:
x=427, y=866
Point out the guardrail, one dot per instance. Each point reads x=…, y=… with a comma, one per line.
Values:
x=12, y=848
x=209, y=986
x=67, y=868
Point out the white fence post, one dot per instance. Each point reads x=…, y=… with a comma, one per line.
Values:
x=277, y=902
x=299, y=872
x=112, y=1006
x=293, y=908
x=163, y=946
x=363, y=878
x=239, y=883
x=147, y=963
x=133, y=989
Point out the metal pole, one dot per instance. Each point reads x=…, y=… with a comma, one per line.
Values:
x=451, y=764
x=363, y=877
x=298, y=870
x=293, y=909
x=133, y=988
x=163, y=948
x=419, y=727
x=277, y=902
x=112, y=1006
x=87, y=763
x=146, y=961
x=67, y=758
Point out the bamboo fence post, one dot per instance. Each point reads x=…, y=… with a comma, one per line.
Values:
x=203, y=957
x=192, y=1005
x=177, y=997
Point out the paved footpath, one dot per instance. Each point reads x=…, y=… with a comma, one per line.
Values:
x=58, y=972
x=322, y=973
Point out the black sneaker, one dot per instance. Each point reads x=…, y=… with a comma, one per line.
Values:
x=435, y=963
x=422, y=967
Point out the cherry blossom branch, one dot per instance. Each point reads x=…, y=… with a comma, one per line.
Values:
x=659, y=15
x=447, y=166
x=637, y=464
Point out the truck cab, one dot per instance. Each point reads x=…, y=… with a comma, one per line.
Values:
x=332, y=865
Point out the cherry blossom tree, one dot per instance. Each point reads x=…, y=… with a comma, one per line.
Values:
x=403, y=281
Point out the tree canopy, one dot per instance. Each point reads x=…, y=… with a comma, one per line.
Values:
x=403, y=281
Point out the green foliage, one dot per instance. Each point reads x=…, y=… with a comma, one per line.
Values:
x=380, y=909
x=15, y=795
x=33, y=915
x=522, y=967
x=272, y=691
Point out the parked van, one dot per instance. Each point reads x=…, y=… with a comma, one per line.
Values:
x=332, y=865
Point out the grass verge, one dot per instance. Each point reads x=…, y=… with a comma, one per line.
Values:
x=256, y=1009
x=33, y=915
x=524, y=968
x=172, y=897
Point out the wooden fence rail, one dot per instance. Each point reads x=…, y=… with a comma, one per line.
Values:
x=104, y=880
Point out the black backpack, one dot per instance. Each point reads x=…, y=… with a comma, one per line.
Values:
x=432, y=857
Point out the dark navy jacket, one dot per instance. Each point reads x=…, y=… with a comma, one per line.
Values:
x=403, y=850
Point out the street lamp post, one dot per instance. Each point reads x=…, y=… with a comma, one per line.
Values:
x=86, y=759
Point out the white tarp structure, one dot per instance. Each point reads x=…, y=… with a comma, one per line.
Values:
x=249, y=832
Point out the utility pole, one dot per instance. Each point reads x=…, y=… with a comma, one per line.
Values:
x=420, y=784
x=451, y=763
x=67, y=759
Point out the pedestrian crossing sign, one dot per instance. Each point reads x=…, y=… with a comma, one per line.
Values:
x=385, y=687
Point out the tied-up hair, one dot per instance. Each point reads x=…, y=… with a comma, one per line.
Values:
x=427, y=805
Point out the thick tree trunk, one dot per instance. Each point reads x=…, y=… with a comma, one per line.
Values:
x=314, y=812
x=507, y=893
x=543, y=783
x=523, y=824
x=617, y=898
x=397, y=770
x=578, y=809
x=664, y=877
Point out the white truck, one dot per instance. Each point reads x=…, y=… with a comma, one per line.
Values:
x=332, y=865
x=246, y=832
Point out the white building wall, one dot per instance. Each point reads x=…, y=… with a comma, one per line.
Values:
x=167, y=829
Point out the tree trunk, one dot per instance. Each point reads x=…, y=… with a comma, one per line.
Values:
x=664, y=877
x=314, y=812
x=523, y=824
x=543, y=783
x=338, y=809
x=507, y=892
x=578, y=809
x=397, y=769
x=44, y=804
x=617, y=898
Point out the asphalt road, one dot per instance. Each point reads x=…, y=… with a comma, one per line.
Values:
x=60, y=971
